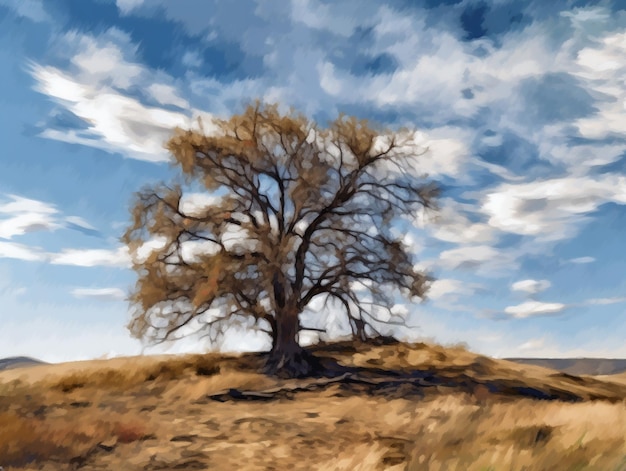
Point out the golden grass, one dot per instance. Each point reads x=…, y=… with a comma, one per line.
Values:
x=25, y=440
x=156, y=413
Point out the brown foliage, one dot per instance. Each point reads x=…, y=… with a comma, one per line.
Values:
x=299, y=212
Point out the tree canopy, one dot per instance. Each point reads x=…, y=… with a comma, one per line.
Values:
x=291, y=212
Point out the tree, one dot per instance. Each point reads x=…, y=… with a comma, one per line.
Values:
x=298, y=212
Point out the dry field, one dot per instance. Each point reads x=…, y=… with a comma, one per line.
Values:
x=394, y=407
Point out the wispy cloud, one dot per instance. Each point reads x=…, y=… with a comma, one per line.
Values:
x=115, y=121
x=446, y=287
x=534, y=309
x=194, y=204
x=605, y=301
x=551, y=209
x=21, y=252
x=92, y=257
x=483, y=260
x=447, y=293
x=118, y=258
x=451, y=224
x=104, y=294
x=582, y=260
x=602, y=66
x=167, y=95
x=531, y=286
x=21, y=215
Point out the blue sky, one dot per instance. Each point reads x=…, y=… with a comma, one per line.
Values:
x=521, y=103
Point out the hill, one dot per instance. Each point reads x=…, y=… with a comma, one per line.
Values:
x=578, y=366
x=18, y=362
x=387, y=406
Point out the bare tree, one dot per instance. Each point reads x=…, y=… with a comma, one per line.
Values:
x=297, y=213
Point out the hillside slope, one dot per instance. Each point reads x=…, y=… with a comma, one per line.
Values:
x=389, y=406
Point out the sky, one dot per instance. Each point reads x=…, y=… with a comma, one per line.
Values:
x=522, y=105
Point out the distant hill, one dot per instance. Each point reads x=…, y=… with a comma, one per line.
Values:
x=18, y=362
x=575, y=366
x=578, y=366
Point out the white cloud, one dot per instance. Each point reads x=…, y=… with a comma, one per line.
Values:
x=582, y=260
x=105, y=294
x=434, y=72
x=356, y=286
x=167, y=95
x=26, y=215
x=435, y=66
x=482, y=260
x=147, y=248
x=24, y=223
x=21, y=252
x=193, y=204
x=605, y=301
x=329, y=83
x=531, y=286
x=579, y=159
x=452, y=225
x=192, y=250
x=20, y=205
x=103, y=61
x=601, y=68
x=92, y=257
x=438, y=152
x=447, y=287
x=534, y=308
x=551, y=209
x=234, y=236
x=607, y=57
x=446, y=293
x=117, y=123
x=448, y=152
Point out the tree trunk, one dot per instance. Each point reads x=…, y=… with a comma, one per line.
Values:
x=287, y=358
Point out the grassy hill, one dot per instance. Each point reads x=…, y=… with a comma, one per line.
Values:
x=388, y=406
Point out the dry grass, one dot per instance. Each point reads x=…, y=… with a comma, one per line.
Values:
x=63, y=436
x=159, y=413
